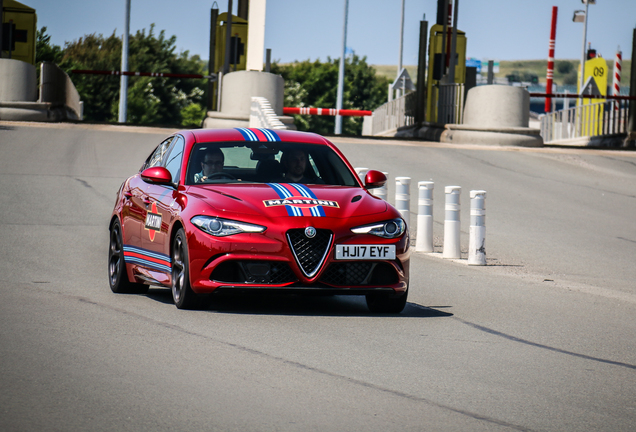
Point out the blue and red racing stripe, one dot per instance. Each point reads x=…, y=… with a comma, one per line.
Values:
x=317, y=211
x=258, y=134
x=289, y=190
x=146, y=258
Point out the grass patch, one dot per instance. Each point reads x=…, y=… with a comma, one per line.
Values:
x=390, y=71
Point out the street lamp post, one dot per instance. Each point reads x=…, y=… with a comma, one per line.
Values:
x=582, y=77
x=341, y=71
x=123, y=83
x=399, y=68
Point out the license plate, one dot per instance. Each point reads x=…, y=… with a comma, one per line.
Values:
x=369, y=252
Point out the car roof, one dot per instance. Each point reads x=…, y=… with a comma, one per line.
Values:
x=256, y=134
x=195, y=136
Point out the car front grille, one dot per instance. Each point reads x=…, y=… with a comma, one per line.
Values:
x=359, y=273
x=309, y=253
x=253, y=272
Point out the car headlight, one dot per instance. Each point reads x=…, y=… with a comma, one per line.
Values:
x=388, y=229
x=224, y=227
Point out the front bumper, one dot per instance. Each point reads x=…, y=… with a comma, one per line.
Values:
x=266, y=262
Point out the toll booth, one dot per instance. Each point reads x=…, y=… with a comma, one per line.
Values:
x=238, y=49
x=436, y=69
x=19, y=31
x=238, y=43
x=595, y=83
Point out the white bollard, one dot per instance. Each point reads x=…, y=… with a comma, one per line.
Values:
x=451, y=223
x=403, y=198
x=424, y=241
x=477, y=233
x=362, y=173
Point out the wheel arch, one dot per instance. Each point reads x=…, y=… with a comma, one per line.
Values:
x=173, y=233
x=114, y=218
x=175, y=228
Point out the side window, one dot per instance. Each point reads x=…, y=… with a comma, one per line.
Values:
x=157, y=156
x=173, y=161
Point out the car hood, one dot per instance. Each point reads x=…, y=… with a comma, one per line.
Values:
x=275, y=200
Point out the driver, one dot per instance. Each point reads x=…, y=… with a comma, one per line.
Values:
x=212, y=164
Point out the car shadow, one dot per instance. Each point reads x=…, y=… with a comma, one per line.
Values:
x=299, y=305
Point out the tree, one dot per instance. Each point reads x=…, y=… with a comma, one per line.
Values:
x=315, y=84
x=44, y=50
x=99, y=92
x=161, y=100
x=151, y=100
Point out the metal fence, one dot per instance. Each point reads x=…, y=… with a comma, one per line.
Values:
x=451, y=103
x=394, y=114
x=601, y=118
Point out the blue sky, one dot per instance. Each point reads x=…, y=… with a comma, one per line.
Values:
x=312, y=29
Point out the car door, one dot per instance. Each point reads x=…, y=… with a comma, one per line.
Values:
x=136, y=193
x=161, y=205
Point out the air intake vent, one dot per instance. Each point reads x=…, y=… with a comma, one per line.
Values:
x=310, y=253
x=359, y=273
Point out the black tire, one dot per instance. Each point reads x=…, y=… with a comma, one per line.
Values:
x=182, y=294
x=387, y=303
x=117, y=275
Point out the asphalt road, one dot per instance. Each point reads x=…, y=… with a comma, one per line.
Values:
x=541, y=339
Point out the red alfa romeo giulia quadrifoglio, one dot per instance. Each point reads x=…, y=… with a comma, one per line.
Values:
x=241, y=209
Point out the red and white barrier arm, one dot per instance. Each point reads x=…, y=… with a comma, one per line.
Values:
x=575, y=96
x=150, y=74
x=326, y=112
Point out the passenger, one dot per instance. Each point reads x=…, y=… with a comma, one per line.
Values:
x=212, y=163
x=296, y=163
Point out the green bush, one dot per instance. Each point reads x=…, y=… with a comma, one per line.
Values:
x=192, y=115
x=315, y=84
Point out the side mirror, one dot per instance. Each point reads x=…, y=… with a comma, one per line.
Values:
x=374, y=179
x=157, y=175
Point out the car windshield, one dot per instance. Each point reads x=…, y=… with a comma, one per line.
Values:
x=267, y=163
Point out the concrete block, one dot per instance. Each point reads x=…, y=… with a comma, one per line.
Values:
x=239, y=87
x=464, y=134
x=497, y=106
x=220, y=120
x=19, y=81
x=495, y=115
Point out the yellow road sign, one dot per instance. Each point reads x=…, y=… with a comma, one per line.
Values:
x=595, y=77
